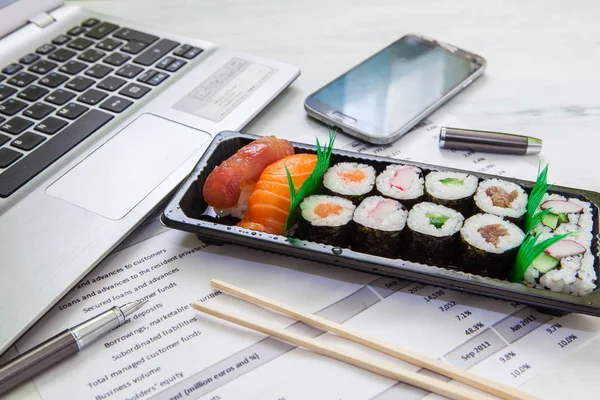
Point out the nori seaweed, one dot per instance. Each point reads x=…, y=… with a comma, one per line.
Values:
x=477, y=261
x=332, y=235
x=355, y=199
x=374, y=241
x=465, y=206
x=517, y=221
x=428, y=249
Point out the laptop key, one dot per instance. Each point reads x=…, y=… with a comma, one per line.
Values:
x=73, y=67
x=134, y=91
x=32, y=93
x=116, y=104
x=15, y=125
x=156, y=52
x=43, y=67
x=182, y=50
x=3, y=139
x=45, y=48
x=147, y=75
x=59, y=97
x=92, y=97
x=101, y=30
x=61, y=55
x=53, y=80
x=99, y=71
x=192, y=53
x=38, y=111
x=79, y=83
x=164, y=63
x=11, y=106
x=13, y=178
x=157, y=79
x=2, y=77
x=88, y=23
x=21, y=79
x=29, y=58
x=50, y=125
x=80, y=44
x=129, y=71
x=72, y=111
x=116, y=59
x=134, y=47
x=27, y=141
x=91, y=55
x=109, y=44
x=6, y=91
x=60, y=40
x=12, y=69
x=8, y=156
x=76, y=31
x=130, y=34
x=175, y=65
x=111, y=83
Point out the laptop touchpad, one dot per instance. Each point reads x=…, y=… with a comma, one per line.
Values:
x=119, y=174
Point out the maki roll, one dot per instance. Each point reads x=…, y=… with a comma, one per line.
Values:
x=378, y=224
x=566, y=266
x=502, y=198
x=432, y=234
x=401, y=182
x=324, y=219
x=352, y=181
x=489, y=245
x=451, y=189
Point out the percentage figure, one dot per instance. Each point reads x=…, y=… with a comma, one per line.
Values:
x=474, y=328
x=520, y=370
x=566, y=341
x=553, y=328
x=508, y=356
x=463, y=315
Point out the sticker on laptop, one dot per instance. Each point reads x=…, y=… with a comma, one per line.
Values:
x=225, y=89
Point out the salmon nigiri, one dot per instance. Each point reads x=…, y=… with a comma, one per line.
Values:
x=269, y=203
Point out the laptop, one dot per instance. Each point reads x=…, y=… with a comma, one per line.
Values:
x=100, y=119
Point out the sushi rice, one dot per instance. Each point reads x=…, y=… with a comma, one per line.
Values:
x=414, y=182
x=436, y=188
x=311, y=212
x=485, y=203
x=471, y=234
x=350, y=179
x=419, y=220
x=393, y=220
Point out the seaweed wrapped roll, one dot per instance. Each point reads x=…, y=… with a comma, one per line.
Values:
x=378, y=224
x=324, y=219
x=432, y=233
x=489, y=245
x=502, y=198
x=401, y=182
x=451, y=189
x=352, y=181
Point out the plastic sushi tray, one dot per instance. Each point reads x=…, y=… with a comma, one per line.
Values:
x=188, y=211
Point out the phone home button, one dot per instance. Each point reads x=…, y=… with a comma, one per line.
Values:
x=344, y=117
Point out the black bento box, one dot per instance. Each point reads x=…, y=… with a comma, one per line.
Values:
x=187, y=211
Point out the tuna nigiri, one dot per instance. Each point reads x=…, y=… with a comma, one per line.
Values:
x=269, y=203
x=228, y=186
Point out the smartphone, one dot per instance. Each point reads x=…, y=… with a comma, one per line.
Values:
x=386, y=95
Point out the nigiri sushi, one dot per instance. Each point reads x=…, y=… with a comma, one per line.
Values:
x=229, y=185
x=269, y=203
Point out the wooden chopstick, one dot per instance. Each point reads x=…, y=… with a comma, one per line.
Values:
x=475, y=381
x=363, y=361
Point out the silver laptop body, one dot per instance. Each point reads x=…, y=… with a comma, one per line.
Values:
x=60, y=223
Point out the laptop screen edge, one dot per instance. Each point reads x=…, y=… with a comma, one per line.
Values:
x=16, y=13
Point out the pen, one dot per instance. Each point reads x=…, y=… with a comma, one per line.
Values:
x=63, y=345
x=490, y=142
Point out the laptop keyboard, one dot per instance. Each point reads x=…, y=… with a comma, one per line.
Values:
x=47, y=97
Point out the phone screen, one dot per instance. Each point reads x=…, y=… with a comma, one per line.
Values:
x=394, y=86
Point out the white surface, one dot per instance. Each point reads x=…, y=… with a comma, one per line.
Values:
x=541, y=81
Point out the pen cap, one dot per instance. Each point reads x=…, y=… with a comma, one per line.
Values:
x=489, y=142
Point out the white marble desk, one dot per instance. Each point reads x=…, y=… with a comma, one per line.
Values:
x=542, y=80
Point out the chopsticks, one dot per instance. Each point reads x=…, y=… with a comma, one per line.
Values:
x=362, y=361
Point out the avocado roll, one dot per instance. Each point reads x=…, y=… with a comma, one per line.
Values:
x=489, y=245
x=350, y=180
x=324, y=219
x=502, y=198
x=432, y=234
x=451, y=189
x=401, y=182
x=378, y=224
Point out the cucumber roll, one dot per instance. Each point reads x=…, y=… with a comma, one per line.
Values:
x=401, y=182
x=378, y=224
x=451, y=189
x=432, y=234
x=502, y=198
x=324, y=219
x=489, y=245
x=352, y=181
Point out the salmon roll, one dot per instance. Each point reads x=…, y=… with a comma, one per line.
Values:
x=489, y=245
x=502, y=198
x=451, y=189
x=401, y=182
x=378, y=226
x=325, y=219
x=352, y=181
